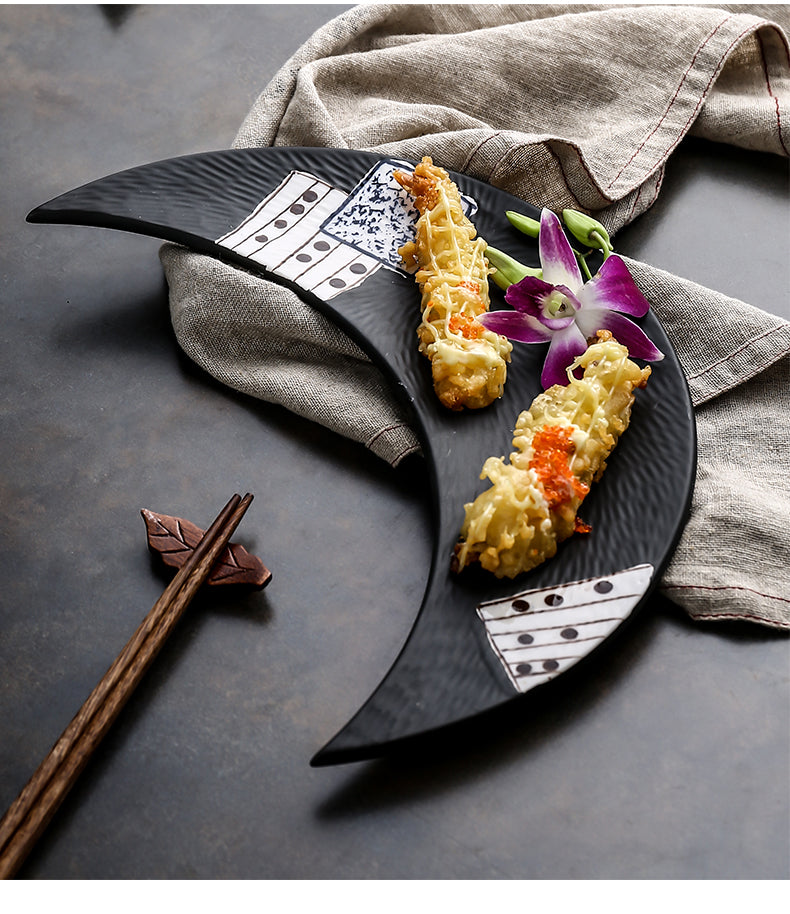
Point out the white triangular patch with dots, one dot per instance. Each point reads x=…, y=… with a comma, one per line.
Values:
x=538, y=634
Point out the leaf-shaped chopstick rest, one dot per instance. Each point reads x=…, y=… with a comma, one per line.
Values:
x=174, y=539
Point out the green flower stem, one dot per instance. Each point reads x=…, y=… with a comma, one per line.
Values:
x=602, y=243
x=583, y=264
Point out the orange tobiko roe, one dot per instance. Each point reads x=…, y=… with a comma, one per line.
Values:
x=467, y=326
x=552, y=447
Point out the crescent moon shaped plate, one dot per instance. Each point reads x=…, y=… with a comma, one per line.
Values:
x=304, y=218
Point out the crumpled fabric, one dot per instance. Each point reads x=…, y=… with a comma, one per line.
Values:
x=540, y=101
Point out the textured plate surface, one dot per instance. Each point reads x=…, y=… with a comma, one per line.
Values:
x=460, y=659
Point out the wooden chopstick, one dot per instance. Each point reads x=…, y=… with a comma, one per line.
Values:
x=30, y=813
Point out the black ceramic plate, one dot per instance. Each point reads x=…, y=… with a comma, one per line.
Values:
x=477, y=643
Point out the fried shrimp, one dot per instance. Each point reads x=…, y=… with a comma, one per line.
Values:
x=561, y=446
x=468, y=362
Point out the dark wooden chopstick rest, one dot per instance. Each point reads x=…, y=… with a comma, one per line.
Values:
x=174, y=539
x=31, y=812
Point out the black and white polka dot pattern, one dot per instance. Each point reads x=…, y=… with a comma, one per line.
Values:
x=327, y=241
x=284, y=234
x=537, y=634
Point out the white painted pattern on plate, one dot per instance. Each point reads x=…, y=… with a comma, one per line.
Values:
x=327, y=241
x=283, y=233
x=538, y=634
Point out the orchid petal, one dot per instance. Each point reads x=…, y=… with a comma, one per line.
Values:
x=614, y=287
x=625, y=331
x=557, y=259
x=565, y=347
x=523, y=328
x=529, y=296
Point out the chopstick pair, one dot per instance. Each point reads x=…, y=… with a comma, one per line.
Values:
x=30, y=813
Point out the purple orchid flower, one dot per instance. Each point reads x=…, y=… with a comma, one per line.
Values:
x=564, y=311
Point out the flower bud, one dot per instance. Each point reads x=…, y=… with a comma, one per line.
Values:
x=506, y=270
x=524, y=224
x=586, y=229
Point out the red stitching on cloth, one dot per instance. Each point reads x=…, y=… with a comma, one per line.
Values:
x=656, y=189
x=770, y=92
x=722, y=587
x=405, y=453
x=738, y=617
x=671, y=101
x=698, y=401
x=477, y=149
x=547, y=145
x=516, y=149
x=659, y=184
x=564, y=177
x=382, y=431
x=712, y=79
x=743, y=616
x=738, y=351
x=636, y=200
x=633, y=205
x=605, y=197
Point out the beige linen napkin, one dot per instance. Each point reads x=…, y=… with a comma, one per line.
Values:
x=540, y=101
